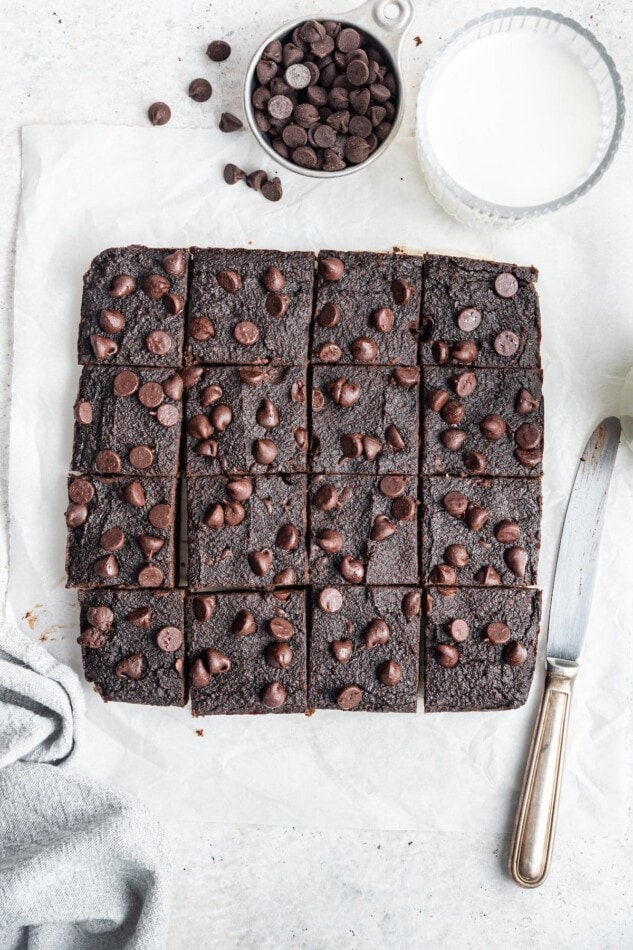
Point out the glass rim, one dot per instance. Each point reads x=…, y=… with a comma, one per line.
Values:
x=467, y=197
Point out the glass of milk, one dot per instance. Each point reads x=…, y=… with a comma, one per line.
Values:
x=520, y=113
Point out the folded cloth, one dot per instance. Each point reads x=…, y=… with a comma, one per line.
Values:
x=82, y=867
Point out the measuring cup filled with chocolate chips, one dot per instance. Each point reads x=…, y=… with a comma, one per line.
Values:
x=324, y=97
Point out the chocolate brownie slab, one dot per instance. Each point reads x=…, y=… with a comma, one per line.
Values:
x=364, y=649
x=246, y=532
x=246, y=652
x=363, y=529
x=367, y=308
x=247, y=419
x=250, y=306
x=482, y=422
x=121, y=532
x=480, y=648
x=480, y=313
x=481, y=531
x=127, y=421
x=365, y=419
x=133, y=645
x=133, y=307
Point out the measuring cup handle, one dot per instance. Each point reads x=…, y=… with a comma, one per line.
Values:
x=391, y=16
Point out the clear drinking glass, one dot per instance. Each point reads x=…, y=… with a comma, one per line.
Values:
x=599, y=66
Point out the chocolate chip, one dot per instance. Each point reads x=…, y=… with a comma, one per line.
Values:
x=246, y=333
x=260, y=562
x=202, y=329
x=465, y=352
x=265, y=451
x=404, y=509
x=458, y=629
x=106, y=566
x=200, y=676
x=107, y=462
x=277, y=304
x=218, y=51
x=100, y=617
x=468, y=319
x=412, y=604
x=457, y=555
x=330, y=600
x=155, y=285
x=488, y=577
x=498, y=633
x=342, y=650
x=344, y=393
x=229, y=280
x=273, y=51
x=377, y=633
x=476, y=516
x=452, y=412
x=390, y=673
x=160, y=515
x=475, y=462
x=453, y=439
x=150, y=545
x=528, y=458
x=330, y=541
x=372, y=447
x=440, y=352
x=506, y=285
x=217, y=662
x=174, y=305
x=525, y=403
x=402, y=292
x=359, y=100
x=298, y=76
x=168, y=416
x=465, y=384
x=274, y=695
x=169, y=639
x=393, y=439
x=214, y=518
x=190, y=375
x=151, y=395
x=112, y=540
x=221, y=417
x=364, y=350
x=507, y=531
x=352, y=570
x=331, y=269
x=150, y=576
x=406, y=376
x=204, y=607
x=528, y=436
x=356, y=149
x=436, y=399
x=517, y=560
x=256, y=179
x=392, y=486
x=159, y=113
x=280, y=628
x=514, y=654
x=230, y=123
x=382, y=528
x=506, y=343
x=102, y=347
x=447, y=655
x=131, y=667
x=91, y=638
x=158, y=342
x=306, y=115
x=240, y=489
x=330, y=353
x=349, y=697
x=200, y=90
x=141, y=456
x=325, y=498
x=287, y=538
x=134, y=494
x=443, y=574
x=286, y=576
x=456, y=503
x=111, y=321
x=175, y=264
x=279, y=655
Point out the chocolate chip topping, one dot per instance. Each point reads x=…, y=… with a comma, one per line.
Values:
x=349, y=697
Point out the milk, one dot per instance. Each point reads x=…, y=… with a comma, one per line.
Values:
x=514, y=118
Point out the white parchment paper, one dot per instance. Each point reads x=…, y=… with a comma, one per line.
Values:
x=92, y=187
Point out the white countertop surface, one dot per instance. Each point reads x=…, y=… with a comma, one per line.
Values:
x=270, y=887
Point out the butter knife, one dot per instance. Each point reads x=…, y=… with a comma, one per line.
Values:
x=535, y=824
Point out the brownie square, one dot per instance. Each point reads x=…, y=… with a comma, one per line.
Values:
x=121, y=532
x=133, y=307
x=127, y=421
x=247, y=419
x=363, y=529
x=364, y=649
x=250, y=306
x=480, y=648
x=246, y=532
x=365, y=420
x=367, y=308
x=133, y=645
x=482, y=422
x=246, y=652
x=480, y=313
x=481, y=531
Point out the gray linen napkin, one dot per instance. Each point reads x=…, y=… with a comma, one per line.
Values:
x=82, y=867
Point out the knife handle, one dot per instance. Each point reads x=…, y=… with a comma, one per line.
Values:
x=535, y=824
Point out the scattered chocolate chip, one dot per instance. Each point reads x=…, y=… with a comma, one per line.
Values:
x=457, y=555
x=331, y=268
x=112, y=540
x=246, y=333
x=352, y=570
x=443, y=574
x=102, y=347
x=158, y=342
x=229, y=280
x=507, y=531
x=382, y=528
x=107, y=462
x=151, y=395
x=260, y=562
x=464, y=352
x=406, y=376
x=243, y=624
x=452, y=412
x=364, y=350
x=392, y=486
x=159, y=113
x=111, y=321
x=200, y=90
x=287, y=538
x=393, y=439
x=404, y=509
x=141, y=456
x=453, y=439
x=528, y=436
x=465, y=384
x=476, y=516
x=100, y=617
x=106, y=566
x=436, y=399
x=525, y=403
x=256, y=179
x=160, y=515
x=150, y=576
x=230, y=123
x=200, y=676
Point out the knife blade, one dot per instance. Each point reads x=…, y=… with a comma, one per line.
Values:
x=574, y=581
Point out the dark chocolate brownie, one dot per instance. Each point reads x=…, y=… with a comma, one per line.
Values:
x=364, y=649
x=127, y=421
x=246, y=532
x=365, y=419
x=133, y=645
x=246, y=652
x=482, y=422
x=481, y=531
x=367, y=308
x=247, y=419
x=480, y=313
x=480, y=648
x=133, y=307
x=250, y=306
x=363, y=529
x=121, y=532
